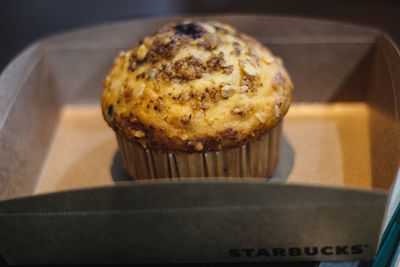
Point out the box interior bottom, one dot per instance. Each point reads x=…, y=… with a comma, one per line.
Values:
x=323, y=144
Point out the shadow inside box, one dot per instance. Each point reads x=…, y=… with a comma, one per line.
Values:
x=118, y=171
x=286, y=161
x=282, y=171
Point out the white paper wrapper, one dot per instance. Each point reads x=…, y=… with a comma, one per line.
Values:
x=254, y=159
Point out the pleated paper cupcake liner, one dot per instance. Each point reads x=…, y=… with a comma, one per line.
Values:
x=254, y=159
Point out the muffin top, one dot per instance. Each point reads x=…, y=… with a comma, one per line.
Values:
x=195, y=87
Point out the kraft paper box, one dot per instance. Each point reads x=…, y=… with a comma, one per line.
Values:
x=65, y=198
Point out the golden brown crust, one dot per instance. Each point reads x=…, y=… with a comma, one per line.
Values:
x=196, y=87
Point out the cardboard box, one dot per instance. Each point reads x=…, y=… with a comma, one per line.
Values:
x=65, y=197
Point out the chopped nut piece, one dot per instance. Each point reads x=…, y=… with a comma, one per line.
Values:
x=184, y=137
x=132, y=119
x=238, y=111
x=228, y=28
x=250, y=70
x=210, y=42
x=277, y=111
x=228, y=69
x=139, y=134
x=260, y=117
x=268, y=60
x=152, y=73
x=146, y=41
x=166, y=41
x=208, y=28
x=254, y=54
x=138, y=91
x=198, y=147
x=242, y=89
x=227, y=91
x=141, y=52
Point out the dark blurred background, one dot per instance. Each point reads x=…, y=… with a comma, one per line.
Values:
x=24, y=21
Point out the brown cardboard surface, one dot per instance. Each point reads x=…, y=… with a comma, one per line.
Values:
x=82, y=152
x=340, y=156
x=191, y=221
x=330, y=144
x=333, y=137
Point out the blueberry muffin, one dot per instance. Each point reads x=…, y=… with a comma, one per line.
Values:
x=197, y=99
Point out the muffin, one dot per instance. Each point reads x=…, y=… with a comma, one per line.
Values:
x=197, y=99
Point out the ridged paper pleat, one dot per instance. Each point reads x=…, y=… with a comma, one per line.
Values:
x=255, y=159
